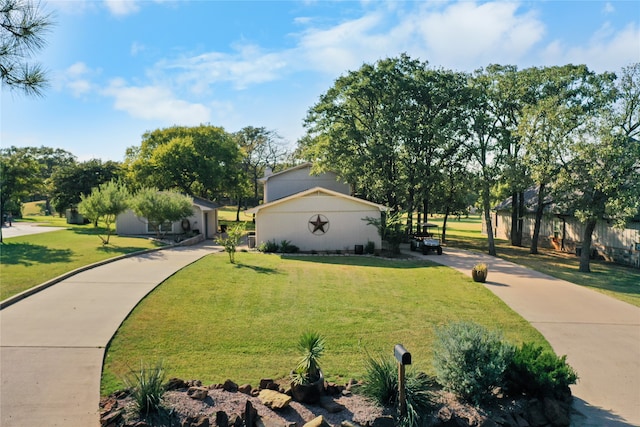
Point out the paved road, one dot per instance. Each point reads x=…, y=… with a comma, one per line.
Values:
x=52, y=343
x=599, y=334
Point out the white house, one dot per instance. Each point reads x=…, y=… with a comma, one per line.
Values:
x=314, y=212
x=204, y=220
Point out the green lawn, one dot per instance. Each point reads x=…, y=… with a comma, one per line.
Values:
x=28, y=261
x=612, y=279
x=214, y=320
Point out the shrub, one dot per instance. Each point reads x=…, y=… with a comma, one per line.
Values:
x=146, y=385
x=311, y=347
x=287, y=248
x=370, y=247
x=381, y=386
x=538, y=373
x=470, y=361
x=269, y=247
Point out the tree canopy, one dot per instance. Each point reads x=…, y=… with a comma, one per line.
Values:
x=202, y=161
x=23, y=27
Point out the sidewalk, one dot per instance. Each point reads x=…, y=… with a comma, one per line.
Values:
x=599, y=334
x=52, y=343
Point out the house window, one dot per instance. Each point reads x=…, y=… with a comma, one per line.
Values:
x=165, y=227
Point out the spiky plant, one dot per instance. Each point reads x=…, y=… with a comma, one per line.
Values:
x=311, y=347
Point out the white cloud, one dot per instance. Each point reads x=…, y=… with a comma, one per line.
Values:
x=136, y=48
x=122, y=7
x=76, y=78
x=608, y=50
x=156, y=103
x=608, y=8
x=247, y=66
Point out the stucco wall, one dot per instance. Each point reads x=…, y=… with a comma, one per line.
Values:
x=290, y=219
x=297, y=180
x=128, y=224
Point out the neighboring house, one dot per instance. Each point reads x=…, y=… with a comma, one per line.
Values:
x=315, y=213
x=563, y=232
x=204, y=220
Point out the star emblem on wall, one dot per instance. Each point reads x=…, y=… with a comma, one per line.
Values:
x=318, y=224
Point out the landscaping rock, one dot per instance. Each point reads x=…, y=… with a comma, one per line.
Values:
x=175, y=384
x=198, y=393
x=230, y=386
x=222, y=419
x=250, y=415
x=235, y=420
x=318, y=422
x=331, y=405
x=557, y=412
x=111, y=418
x=245, y=388
x=265, y=383
x=274, y=400
x=196, y=421
x=384, y=421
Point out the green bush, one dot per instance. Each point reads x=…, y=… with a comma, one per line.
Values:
x=146, y=386
x=287, y=248
x=370, y=247
x=470, y=361
x=269, y=246
x=535, y=372
x=381, y=386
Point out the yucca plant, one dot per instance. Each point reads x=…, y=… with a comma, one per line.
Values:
x=381, y=386
x=311, y=347
x=147, y=390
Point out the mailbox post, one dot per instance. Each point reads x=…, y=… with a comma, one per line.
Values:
x=404, y=358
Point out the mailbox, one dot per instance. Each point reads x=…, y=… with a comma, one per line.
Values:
x=402, y=355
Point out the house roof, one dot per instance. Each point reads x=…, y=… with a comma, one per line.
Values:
x=530, y=202
x=300, y=166
x=204, y=204
x=310, y=191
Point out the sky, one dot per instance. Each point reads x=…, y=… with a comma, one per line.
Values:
x=120, y=68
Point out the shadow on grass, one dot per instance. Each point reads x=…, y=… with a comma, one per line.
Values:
x=30, y=254
x=365, y=261
x=258, y=269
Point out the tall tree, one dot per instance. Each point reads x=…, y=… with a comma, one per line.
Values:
x=201, y=161
x=564, y=99
x=69, y=183
x=23, y=26
x=602, y=180
x=485, y=142
x=19, y=177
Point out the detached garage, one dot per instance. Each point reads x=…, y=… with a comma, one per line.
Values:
x=318, y=219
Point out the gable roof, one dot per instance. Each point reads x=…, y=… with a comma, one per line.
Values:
x=310, y=191
x=204, y=204
x=300, y=166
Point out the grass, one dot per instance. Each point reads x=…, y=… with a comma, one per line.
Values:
x=615, y=280
x=27, y=261
x=243, y=322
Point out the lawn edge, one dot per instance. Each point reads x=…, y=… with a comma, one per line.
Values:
x=31, y=291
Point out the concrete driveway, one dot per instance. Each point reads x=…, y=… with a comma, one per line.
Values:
x=25, y=228
x=600, y=335
x=52, y=343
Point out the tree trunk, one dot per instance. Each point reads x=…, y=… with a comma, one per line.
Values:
x=536, y=227
x=521, y=213
x=486, y=206
x=238, y=210
x=585, y=256
x=444, y=225
x=515, y=205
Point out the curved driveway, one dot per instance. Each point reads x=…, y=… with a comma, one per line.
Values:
x=52, y=343
x=599, y=334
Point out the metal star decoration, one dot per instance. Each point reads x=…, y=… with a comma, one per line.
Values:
x=318, y=225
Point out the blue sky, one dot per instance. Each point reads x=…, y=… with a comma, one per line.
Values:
x=119, y=68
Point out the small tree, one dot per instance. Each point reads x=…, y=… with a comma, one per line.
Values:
x=389, y=228
x=232, y=240
x=104, y=204
x=159, y=207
